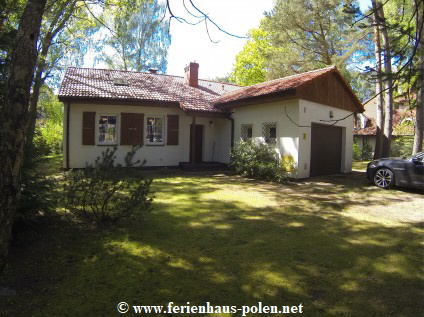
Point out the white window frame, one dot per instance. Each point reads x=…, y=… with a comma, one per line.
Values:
x=147, y=131
x=98, y=129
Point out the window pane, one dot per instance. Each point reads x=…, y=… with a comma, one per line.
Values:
x=112, y=119
x=246, y=131
x=272, y=132
x=107, y=129
x=269, y=132
x=154, y=127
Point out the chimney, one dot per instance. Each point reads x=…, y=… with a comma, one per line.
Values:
x=153, y=70
x=191, y=76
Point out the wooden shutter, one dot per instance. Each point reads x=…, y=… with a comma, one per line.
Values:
x=172, y=129
x=132, y=128
x=88, y=128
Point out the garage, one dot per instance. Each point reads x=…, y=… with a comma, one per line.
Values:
x=326, y=149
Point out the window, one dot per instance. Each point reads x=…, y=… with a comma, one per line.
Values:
x=269, y=132
x=120, y=82
x=107, y=129
x=154, y=133
x=246, y=131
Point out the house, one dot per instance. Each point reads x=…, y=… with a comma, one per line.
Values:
x=366, y=123
x=307, y=116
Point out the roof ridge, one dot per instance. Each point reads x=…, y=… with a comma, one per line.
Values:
x=147, y=73
x=220, y=82
x=287, y=77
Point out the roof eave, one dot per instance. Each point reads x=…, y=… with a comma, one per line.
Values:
x=119, y=101
x=284, y=94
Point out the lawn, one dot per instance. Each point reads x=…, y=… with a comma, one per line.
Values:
x=336, y=245
x=360, y=165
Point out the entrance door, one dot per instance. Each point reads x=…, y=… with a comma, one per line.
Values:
x=196, y=143
x=326, y=150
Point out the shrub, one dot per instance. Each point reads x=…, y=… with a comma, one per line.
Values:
x=261, y=161
x=104, y=193
x=36, y=197
x=362, y=154
x=367, y=152
x=288, y=165
x=402, y=146
x=357, y=152
x=49, y=138
x=48, y=133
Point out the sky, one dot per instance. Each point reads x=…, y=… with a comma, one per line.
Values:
x=191, y=43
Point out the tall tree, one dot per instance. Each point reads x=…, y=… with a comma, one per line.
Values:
x=250, y=67
x=139, y=37
x=14, y=114
x=398, y=23
x=419, y=40
x=388, y=83
x=63, y=23
x=378, y=81
x=310, y=35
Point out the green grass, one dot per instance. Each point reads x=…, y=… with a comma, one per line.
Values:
x=360, y=165
x=231, y=241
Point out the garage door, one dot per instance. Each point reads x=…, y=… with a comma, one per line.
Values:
x=326, y=150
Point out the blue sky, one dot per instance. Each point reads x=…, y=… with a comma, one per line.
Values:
x=191, y=43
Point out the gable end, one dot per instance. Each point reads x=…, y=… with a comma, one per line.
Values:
x=331, y=90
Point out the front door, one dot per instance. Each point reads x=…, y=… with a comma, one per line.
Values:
x=196, y=143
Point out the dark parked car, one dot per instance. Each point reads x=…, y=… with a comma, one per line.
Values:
x=388, y=172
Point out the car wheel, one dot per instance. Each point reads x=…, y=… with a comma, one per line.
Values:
x=384, y=178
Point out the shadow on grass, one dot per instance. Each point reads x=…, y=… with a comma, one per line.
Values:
x=227, y=241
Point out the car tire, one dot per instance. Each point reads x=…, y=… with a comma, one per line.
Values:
x=384, y=178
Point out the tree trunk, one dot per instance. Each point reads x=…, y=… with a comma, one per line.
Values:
x=58, y=22
x=388, y=84
x=378, y=84
x=33, y=101
x=419, y=115
x=36, y=88
x=14, y=116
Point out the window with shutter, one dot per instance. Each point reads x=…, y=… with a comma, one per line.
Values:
x=108, y=129
x=172, y=130
x=154, y=130
x=88, y=128
x=132, y=128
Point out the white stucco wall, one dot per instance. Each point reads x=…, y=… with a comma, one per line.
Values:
x=222, y=140
x=311, y=112
x=287, y=132
x=155, y=155
x=291, y=139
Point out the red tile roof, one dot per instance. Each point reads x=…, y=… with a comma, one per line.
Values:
x=370, y=128
x=273, y=86
x=399, y=116
x=92, y=83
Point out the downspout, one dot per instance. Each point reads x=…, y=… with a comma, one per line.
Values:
x=193, y=141
x=228, y=116
x=67, y=134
